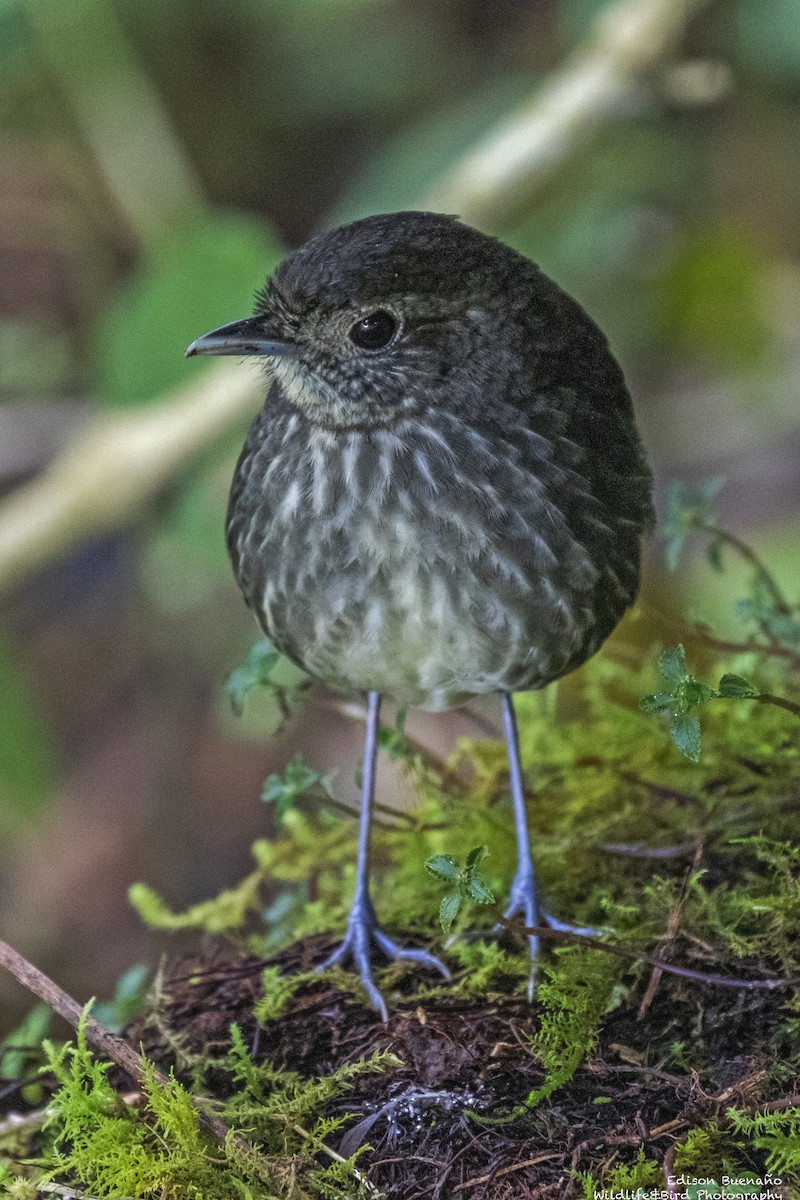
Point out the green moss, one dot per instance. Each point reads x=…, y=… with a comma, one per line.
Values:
x=645, y=1173
x=160, y=1149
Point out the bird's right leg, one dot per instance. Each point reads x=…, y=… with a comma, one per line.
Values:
x=524, y=897
x=362, y=922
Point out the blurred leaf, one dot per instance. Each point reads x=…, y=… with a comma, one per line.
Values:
x=686, y=508
x=578, y=15
x=298, y=779
x=129, y=999
x=256, y=673
x=27, y=753
x=203, y=276
x=185, y=559
x=712, y=300
x=24, y=1042
x=334, y=68
x=766, y=38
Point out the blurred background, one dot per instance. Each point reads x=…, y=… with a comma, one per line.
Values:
x=157, y=157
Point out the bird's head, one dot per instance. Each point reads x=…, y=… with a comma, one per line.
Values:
x=382, y=318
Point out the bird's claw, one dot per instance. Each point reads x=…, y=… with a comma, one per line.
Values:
x=362, y=929
x=523, y=902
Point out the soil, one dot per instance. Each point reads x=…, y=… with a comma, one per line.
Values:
x=442, y=1124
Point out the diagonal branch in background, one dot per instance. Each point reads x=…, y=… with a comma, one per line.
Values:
x=118, y=465
x=626, y=42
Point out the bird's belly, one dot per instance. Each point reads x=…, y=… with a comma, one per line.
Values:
x=424, y=631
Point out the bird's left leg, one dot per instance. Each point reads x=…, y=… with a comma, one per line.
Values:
x=524, y=898
x=362, y=922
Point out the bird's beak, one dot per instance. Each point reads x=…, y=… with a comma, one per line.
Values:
x=251, y=336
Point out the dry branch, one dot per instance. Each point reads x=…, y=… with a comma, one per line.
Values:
x=118, y=464
x=627, y=41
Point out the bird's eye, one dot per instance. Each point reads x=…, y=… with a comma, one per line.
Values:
x=375, y=331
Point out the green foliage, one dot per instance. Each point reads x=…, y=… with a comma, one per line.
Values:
x=712, y=297
x=576, y=992
x=777, y=1135
x=256, y=673
x=110, y=1149
x=759, y=612
x=687, y=693
x=264, y=676
x=161, y=1151
x=687, y=509
x=277, y=991
x=707, y=1150
x=645, y=1174
x=467, y=881
x=271, y=1103
x=20, y=1054
x=297, y=780
x=130, y=995
x=224, y=913
x=766, y=40
x=203, y=275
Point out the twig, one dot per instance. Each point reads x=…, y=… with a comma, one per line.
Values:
x=510, y=1170
x=746, y=552
x=626, y=42
x=673, y=925
x=337, y=1157
x=779, y=702
x=111, y=1045
x=701, y=632
x=117, y=466
x=105, y=477
x=558, y=935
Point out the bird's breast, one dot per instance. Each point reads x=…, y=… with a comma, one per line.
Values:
x=427, y=563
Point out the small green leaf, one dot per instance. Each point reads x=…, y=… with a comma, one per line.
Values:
x=256, y=672
x=476, y=857
x=672, y=664
x=443, y=866
x=479, y=892
x=735, y=687
x=448, y=910
x=685, y=733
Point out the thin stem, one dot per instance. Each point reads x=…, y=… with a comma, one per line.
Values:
x=779, y=702
x=730, y=981
x=746, y=552
x=107, y=1043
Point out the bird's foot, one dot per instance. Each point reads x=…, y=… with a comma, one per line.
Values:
x=362, y=930
x=523, y=902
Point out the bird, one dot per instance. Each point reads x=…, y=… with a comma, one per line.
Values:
x=443, y=496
